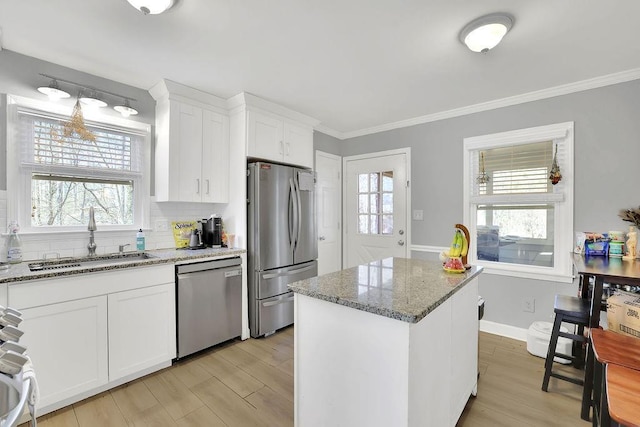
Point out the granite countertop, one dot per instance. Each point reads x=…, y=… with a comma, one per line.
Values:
x=20, y=272
x=400, y=288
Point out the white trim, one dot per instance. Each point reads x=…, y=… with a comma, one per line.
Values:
x=566, y=89
x=563, y=237
x=254, y=103
x=430, y=249
x=167, y=89
x=21, y=188
x=407, y=152
x=503, y=330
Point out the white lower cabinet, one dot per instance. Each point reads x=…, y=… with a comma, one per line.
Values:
x=141, y=334
x=67, y=343
x=90, y=332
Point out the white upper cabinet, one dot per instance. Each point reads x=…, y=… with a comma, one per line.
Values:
x=192, y=145
x=273, y=132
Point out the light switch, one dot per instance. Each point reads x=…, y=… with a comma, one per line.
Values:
x=162, y=225
x=418, y=215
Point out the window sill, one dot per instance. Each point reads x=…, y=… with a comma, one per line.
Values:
x=550, y=276
x=83, y=230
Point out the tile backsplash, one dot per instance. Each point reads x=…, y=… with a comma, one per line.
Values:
x=158, y=234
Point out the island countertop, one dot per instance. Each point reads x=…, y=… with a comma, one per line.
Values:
x=400, y=288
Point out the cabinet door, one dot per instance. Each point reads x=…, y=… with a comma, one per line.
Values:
x=215, y=157
x=68, y=345
x=464, y=346
x=189, y=151
x=298, y=145
x=142, y=329
x=265, y=137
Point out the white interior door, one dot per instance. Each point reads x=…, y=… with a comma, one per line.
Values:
x=376, y=204
x=328, y=194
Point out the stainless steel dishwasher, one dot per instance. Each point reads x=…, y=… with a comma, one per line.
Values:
x=208, y=304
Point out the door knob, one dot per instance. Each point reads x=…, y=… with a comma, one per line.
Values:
x=401, y=242
x=321, y=238
x=401, y=232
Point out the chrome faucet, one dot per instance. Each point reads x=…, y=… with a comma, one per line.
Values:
x=121, y=248
x=92, y=227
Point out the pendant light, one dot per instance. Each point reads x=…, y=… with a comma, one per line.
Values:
x=151, y=7
x=483, y=34
x=125, y=109
x=53, y=91
x=92, y=100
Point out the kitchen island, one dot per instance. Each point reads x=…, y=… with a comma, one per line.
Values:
x=390, y=343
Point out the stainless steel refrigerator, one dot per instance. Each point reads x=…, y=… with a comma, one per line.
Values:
x=282, y=241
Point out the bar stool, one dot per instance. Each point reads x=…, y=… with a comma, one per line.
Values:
x=623, y=395
x=569, y=310
x=615, y=349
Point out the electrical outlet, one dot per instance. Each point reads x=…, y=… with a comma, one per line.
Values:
x=529, y=305
x=418, y=215
x=162, y=225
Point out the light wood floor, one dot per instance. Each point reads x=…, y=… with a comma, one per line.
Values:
x=250, y=383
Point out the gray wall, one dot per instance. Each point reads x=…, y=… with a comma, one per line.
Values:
x=607, y=157
x=19, y=75
x=326, y=143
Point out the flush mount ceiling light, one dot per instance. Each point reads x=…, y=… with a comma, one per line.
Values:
x=125, y=109
x=483, y=34
x=91, y=100
x=151, y=7
x=53, y=91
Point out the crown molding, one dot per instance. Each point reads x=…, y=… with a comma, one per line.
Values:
x=594, y=83
x=254, y=102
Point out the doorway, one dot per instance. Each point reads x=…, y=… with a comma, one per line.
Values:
x=376, y=204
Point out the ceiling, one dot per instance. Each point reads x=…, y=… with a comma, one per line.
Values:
x=355, y=65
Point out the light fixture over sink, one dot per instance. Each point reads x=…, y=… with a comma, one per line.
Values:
x=483, y=34
x=151, y=7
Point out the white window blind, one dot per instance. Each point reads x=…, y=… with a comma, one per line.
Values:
x=517, y=173
x=44, y=148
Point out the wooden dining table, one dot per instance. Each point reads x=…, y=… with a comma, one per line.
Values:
x=600, y=269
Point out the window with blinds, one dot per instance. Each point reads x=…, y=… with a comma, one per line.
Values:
x=69, y=174
x=519, y=218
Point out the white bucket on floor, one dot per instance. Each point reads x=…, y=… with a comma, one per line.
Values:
x=538, y=337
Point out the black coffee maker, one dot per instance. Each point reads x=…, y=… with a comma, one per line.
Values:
x=212, y=231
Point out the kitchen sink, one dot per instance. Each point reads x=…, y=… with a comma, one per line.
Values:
x=85, y=262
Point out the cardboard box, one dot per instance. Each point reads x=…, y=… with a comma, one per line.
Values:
x=623, y=313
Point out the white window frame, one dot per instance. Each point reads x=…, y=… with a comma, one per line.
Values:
x=19, y=179
x=561, y=134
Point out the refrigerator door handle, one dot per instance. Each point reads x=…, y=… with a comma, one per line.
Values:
x=299, y=211
x=287, y=273
x=292, y=215
x=296, y=213
x=281, y=301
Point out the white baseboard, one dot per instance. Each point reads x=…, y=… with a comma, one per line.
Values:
x=501, y=329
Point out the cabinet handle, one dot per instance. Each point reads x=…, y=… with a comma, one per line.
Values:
x=281, y=147
x=197, y=185
x=288, y=149
x=208, y=186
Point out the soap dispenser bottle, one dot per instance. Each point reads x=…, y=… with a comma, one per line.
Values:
x=14, y=245
x=140, y=240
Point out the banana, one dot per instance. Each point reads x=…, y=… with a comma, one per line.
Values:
x=456, y=245
x=465, y=245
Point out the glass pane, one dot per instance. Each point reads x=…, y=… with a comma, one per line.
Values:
x=387, y=203
x=363, y=224
x=374, y=203
x=374, y=182
x=363, y=183
x=387, y=181
x=516, y=234
x=64, y=202
x=387, y=224
x=373, y=225
x=363, y=203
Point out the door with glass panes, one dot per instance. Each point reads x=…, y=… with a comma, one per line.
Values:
x=375, y=208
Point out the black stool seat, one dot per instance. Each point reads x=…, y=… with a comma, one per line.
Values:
x=567, y=309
